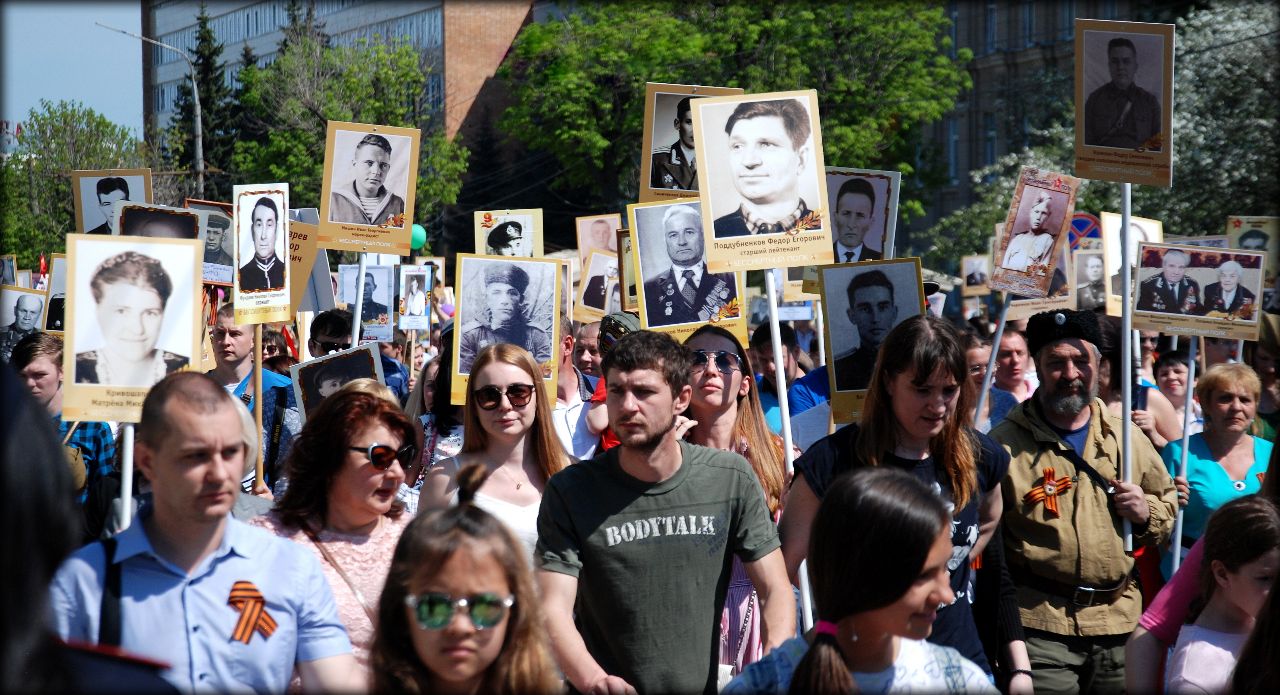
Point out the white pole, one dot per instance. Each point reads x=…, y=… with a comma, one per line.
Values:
x=1187, y=407
x=126, y=477
x=355, y=313
x=1126, y=351
x=991, y=360
x=818, y=334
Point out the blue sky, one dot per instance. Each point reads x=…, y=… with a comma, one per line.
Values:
x=54, y=51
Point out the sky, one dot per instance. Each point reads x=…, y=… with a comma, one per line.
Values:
x=86, y=63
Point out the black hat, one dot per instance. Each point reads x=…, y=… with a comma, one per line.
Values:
x=1051, y=326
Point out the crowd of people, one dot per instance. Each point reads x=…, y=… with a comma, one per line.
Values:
x=640, y=528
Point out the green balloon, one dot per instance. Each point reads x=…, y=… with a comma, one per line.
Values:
x=419, y=236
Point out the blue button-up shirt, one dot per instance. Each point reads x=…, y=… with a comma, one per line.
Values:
x=186, y=621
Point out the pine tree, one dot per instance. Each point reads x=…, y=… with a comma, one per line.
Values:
x=215, y=97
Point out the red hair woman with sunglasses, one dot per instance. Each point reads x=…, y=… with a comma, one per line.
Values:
x=344, y=470
x=507, y=428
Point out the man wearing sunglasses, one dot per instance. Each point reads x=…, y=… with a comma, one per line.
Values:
x=281, y=421
x=506, y=318
x=637, y=541
x=228, y=607
x=331, y=332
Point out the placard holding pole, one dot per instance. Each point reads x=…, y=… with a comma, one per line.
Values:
x=1187, y=409
x=257, y=399
x=991, y=360
x=1126, y=351
x=124, y=513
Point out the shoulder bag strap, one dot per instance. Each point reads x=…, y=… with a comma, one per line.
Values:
x=277, y=426
x=70, y=432
x=109, y=612
x=329, y=558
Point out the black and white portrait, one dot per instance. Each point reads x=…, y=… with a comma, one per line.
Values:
x=1091, y=286
x=975, y=271
x=369, y=178
x=673, y=165
x=96, y=193
x=597, y=233
x=262, y=240
x=415, y=288
x=762, y=174
x=863, y=304
x=864, y=210
x=1123, y=78
x=505, y=302
x=1141, y=230
x=135, y=308
x=509, y=234
x=676, y=286
x=157, y=221
x=600, y=276
x=317, y=379
x=378, y=283
x=56, y=293
x=20, y=312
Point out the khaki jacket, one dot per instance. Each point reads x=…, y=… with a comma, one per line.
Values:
x=1084, y=545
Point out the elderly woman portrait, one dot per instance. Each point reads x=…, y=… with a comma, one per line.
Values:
x=1227, y=295
x=130, y=293
x=503, y=318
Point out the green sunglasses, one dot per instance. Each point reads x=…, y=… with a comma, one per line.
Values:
x=434, y=611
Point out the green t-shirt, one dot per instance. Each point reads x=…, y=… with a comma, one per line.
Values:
x=653, y=560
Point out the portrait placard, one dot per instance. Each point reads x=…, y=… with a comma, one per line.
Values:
x=133, y=317
x=9, y=270
x=1192, y=290
x=1091, y=280
x=597, y=286
x=511, y=233
x=864, y=212
x=20, y=312
x=94, y=191
x=1140, y=229
x=1257, y=234
x=55, y=309
x=158, y=221
x=627, y=272
x=415, y=297
x=505, y=300
x=668, y=168
x=219, y=242
x=597, y=233
x=977, y=272
x=261, y=293
x=317, y=379
x=1061, y=290
x=762, y=181
x=1124, y=101
x=861, y=303
x=302, y=257
x=794, y=288
x=24, y=279
x=377, y=322
x=370, y=180
x=676, y=293
x=566, y=285
x=1035, y=229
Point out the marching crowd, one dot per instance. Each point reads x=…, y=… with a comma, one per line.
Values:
x=638, y=530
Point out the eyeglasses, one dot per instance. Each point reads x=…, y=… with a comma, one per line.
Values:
x=327, y=347
x=381, y=456
x=726, y=362
x=489, y=397
x=977, y=369
x=435, y=611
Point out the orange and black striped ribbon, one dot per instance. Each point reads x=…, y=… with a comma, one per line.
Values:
x=246, y=598
x=1048, y=491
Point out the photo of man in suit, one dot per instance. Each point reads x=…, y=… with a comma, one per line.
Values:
x=686, y=292
x=675, y=167
x=1170, y=292
x=855, y=210
x=768, y=152
x=213, y=250
x=109, y=189
x=1120, y=113
x=598, y=286
x=265, y=271
x=874, y=313
x=371, y=310
x=1227, y=295
x=1091, y=293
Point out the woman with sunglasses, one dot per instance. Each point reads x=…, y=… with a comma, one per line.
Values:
x=727, y=415
x=344, y=470
x=507, y=429
x=459, y=613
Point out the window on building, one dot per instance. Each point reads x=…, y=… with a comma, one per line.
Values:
x=1028, y=24
x=989, y=40
x=988, y=139
x=953, y=150
x=1066, y=23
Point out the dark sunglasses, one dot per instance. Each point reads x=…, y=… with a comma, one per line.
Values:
x=382, y=455
x=327, y=347
x=726, y=362
x=435, y=611
x=488, y=397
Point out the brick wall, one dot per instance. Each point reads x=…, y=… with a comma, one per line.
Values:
x=477, y=36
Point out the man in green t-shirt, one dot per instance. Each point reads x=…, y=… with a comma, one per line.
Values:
x=640, y=540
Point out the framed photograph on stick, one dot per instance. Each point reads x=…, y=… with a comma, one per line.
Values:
x=159, y=221
x=94, y=192
x=370, y=180
x=316, y=379
x=20, y=312
x=55, y=309
x=599, y=287
x=134, y=316
x=597, y=233
x=514, y=233
x=261, y=293
x=977, y=272
x=1141, y=230
x=1061, y=290
x=1091, y=280
x=1027, y=251
x=627, y=271
x=415, y=297
x=506, y=300
x=219, y=241
x=1192, y=290
x=1124, y=101
x=864, y=208
x=669, y=167
x=377, y=322
x=762, y=182
x=1258, y=234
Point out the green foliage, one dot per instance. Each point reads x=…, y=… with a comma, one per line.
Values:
x=219, y=135
x=881, y=70
x=36, y=205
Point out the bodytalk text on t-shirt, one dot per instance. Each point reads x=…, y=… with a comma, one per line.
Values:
x=688, y=525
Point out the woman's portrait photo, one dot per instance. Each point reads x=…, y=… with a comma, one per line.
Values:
x=415, y=282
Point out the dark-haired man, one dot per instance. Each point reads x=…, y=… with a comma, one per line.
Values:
x=762, y=346
x=109, y=189
x=769, y=149
x=675, y=167
x=505, y=318
x=649, y=529
x=855, y=210
x=265, y=271
x=366, y=200
x=1120, y=113
x=873, y=311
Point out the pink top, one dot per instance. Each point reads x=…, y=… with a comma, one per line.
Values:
x=1166, y=614
x=365, y=559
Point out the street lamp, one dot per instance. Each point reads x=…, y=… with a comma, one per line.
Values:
x=195, y=93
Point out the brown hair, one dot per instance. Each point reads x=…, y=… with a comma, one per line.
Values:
x=763, y=451
x=922, y=345
x=320, y=451
x=547, y=450
x=35, y=345
x=1238, y=533
x=524, y=665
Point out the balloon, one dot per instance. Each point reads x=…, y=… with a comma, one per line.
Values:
x=419, y=236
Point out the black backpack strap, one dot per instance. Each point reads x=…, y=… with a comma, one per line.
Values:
x=277, y=427
x=109, y=613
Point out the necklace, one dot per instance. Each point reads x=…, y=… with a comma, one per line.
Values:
x=512, y=478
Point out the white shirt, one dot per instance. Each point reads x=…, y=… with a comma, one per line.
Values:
x=841, y=250
x=678, y=271
x=1203, y=660
x=570, y=420
x=1228, y=298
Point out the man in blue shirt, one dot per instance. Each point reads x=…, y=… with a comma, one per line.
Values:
x=762, y=346
x=228, y=607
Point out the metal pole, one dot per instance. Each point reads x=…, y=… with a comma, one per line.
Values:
x=1182, y=464
x=257, y=401
x=1126, y=351
x=991, y=360
x=195, y=95
x=125, y=513
x=355, y=313
x=818, y=333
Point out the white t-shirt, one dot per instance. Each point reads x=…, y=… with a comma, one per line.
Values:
x=571, y=428
x=1203, y=660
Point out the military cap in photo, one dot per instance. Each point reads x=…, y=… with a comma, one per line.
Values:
x=1051, y=326
x=616, y=325
x=507, y=274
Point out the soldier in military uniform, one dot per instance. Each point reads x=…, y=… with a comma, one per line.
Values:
x=874, y=312
x=686, y=292
x=675, y=167
x=1170, y=292
x=506, y=318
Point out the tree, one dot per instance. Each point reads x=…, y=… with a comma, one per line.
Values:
x=36, y=208
x=216, y=118
x=1225, y=139
x=880, y=70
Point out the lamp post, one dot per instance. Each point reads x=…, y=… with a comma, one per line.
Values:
x=195, y=94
